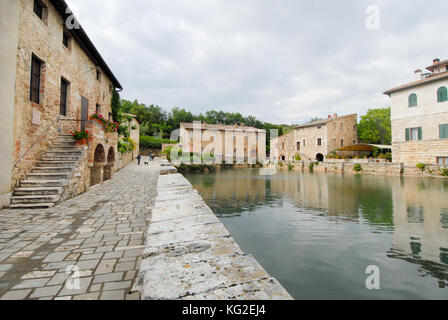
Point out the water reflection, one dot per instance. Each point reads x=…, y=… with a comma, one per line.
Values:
x=406, y=217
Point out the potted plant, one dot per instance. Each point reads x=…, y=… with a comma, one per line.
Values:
x=81, y=137
x=98, y=118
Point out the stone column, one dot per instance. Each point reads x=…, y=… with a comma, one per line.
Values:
x=96, y=173
x=108, y=171
x=9, y=37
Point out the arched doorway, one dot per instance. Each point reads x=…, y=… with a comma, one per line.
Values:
x=109, y=167
x=320, y=157
x=97, y=171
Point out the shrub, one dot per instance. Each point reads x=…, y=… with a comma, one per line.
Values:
x=290, y=166
x=126, y=145
x=444, y=172
x=311, y=166
x=147, y=142
x=280, y=164
x=357, y=167
x=421, y=166
x=297, y=157
x=79, y=135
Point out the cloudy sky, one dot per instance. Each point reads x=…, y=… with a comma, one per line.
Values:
x=282, y=61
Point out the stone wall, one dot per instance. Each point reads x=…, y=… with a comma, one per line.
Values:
x=123, y=160
x=9, y=26
x=37, y=125
x=425, y=151
x=369, y=167
x=80, y=181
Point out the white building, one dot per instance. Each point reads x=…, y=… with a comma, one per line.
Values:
x=420, y=117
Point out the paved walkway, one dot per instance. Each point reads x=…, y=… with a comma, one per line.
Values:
x=88, y=247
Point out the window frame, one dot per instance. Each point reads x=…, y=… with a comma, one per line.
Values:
x=39, y=9
x=443, y=131
x=319, y=142
x=412, y=102
x=442, y=94
x=419, y=134
x=63, y=97
x=35, y=60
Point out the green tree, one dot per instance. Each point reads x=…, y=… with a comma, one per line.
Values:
x=375, y=126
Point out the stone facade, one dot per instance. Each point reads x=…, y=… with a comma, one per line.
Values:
x=232, y=144
x=36, y=126
x=427, y=114
x=134, y=132
x=313, y=141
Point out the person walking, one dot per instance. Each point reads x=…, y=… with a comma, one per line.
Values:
x=139, y=157
x=151, y=157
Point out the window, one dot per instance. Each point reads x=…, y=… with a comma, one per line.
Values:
x=63, y=99
x=354, y=142
x=319, y=127
x=98, y=75
x=413, y=134
x=36, y=68
x=283, y=146
x=342, y=142
x=442, y=161
x=66, y=40
x=304, y=143
x=443, y=131
x=319, y=141
x=98, y=108
x=442, y=94
x=39, y=8
x=412, y=100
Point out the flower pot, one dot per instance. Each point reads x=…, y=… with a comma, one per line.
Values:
x=81, y=142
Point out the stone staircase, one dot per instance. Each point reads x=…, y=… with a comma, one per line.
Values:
x=44, y=185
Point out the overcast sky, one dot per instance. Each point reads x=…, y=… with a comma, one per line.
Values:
x=282, y=61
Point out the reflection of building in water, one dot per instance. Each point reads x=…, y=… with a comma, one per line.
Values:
x=421, y=224
x=341, y=196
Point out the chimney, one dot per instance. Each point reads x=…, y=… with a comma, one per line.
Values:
x=418, y=74
x=436, y=61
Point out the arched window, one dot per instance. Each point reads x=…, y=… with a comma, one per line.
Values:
x=412, y=100
x=442, y=94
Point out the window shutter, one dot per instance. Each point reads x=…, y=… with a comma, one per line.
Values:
x=420, y=133
x=443, y=131
x=442, y=94
x=408, y=134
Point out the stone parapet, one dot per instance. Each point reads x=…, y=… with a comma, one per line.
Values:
x=189, y=253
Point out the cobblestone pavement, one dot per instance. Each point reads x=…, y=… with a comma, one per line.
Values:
x=100, y=233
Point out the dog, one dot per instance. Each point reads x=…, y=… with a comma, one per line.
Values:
x=146, y=163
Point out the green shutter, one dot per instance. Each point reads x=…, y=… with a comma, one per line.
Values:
x=412, y=100
x=408, y=134
x=443, y=131
x=420, y=133
x=442, y=94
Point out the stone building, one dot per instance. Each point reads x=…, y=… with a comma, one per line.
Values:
x=53, y=78
x=314, y=140
x=133, y=125
x=229, y=143
x=419, y=115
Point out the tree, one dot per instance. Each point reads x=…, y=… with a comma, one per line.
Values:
x=375, y=126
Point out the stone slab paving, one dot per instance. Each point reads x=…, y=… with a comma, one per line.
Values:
x=96, y=238
x=189, y=254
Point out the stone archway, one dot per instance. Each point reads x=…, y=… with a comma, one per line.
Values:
x=97, y=171
x=320, y=157
x=109, y=167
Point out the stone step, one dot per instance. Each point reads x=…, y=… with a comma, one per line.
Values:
x=65, y=153
x=65, y=149
x=61, y=158
x=31, y=205
x=49, y=176
x=37, y=191
x=55, y=163
x=42, y=183
x=52, y=169
x=35, y=199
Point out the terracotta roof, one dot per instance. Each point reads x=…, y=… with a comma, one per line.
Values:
x=220, y=127
x=434, y=65
x=417, y=83
x=324, y=121
x=85, y=43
